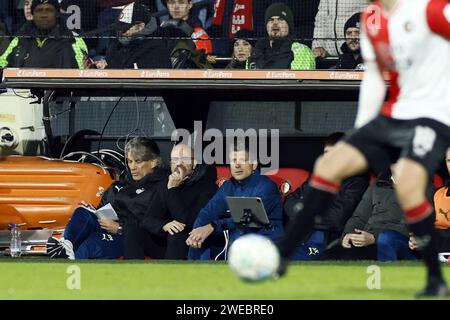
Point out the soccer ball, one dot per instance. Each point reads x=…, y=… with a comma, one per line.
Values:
x=254, y=257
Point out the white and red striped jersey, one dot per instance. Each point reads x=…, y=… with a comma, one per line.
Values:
x=412, y=43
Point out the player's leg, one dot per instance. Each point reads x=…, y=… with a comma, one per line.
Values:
x=81, y=225
x=412, y=180
x=421, y=156
x=330, y=170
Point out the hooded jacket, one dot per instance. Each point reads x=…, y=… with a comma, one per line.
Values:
x=347, y=59
x=283, y=54
x=190, y=28
x=59, y=48
x=136, y=201
x=256, y=185
x=138, y=51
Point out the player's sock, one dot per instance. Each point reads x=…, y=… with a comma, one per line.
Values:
x=421, y=222
x=318, y=198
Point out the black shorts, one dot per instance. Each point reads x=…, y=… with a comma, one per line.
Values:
x=384, y=140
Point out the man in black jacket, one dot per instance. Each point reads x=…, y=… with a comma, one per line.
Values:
x=188, y=189
x=351, y=57
x=377, y=230
x=44, y=42
x=134, y=48
x=280, y=50
x=133, y=198
x=330, y=226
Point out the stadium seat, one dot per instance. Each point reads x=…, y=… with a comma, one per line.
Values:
x=223, y=174
x=288, y=179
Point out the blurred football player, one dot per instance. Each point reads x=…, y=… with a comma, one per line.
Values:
x=409, y=39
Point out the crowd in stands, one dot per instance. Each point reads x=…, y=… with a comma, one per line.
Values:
x=182, y=212
x=188, y=34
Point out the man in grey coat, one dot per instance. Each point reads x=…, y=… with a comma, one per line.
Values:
x=377, y=228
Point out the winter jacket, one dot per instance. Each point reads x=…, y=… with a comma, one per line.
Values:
x=185, y=201
x=59, y=48
x=347, y=60
x=256, y=185
x=200, y=36
x=192, y=28
x=138, y=52
x=378, y=211
x=341, y=209
x=136, y=202
x=236, y=65
x=284, y=54
x=330, y=21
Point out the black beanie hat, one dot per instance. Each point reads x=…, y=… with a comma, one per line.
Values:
x=281, y=10
x=246, y=35
x=35, y=3
x=353, y=22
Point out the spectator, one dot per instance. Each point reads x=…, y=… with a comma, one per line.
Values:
x=203, y=13
x=27, y=10
x=21, y=13
x=133, y=49
x=332, y=223
x=351, y=53
x=330, y=20
x=85, y=237
x=442, y=210
x=163, y=232
x=242, y=49
x=279, y=50
x=214, y=218
x=224, y=26
x=305, y=13
x=182, y=19
x=44, y=42
x=377, y=229
x=190, y=187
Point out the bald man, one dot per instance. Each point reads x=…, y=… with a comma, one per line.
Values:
x=189, y=188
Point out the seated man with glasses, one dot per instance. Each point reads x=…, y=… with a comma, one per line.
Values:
x=189, y=188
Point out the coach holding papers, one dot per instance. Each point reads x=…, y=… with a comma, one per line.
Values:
x=85, y=237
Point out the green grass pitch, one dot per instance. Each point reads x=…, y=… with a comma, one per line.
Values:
x=42, y=279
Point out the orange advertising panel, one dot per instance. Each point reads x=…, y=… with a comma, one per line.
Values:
x=215, y=74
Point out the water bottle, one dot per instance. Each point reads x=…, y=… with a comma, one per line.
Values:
x=15, y=247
